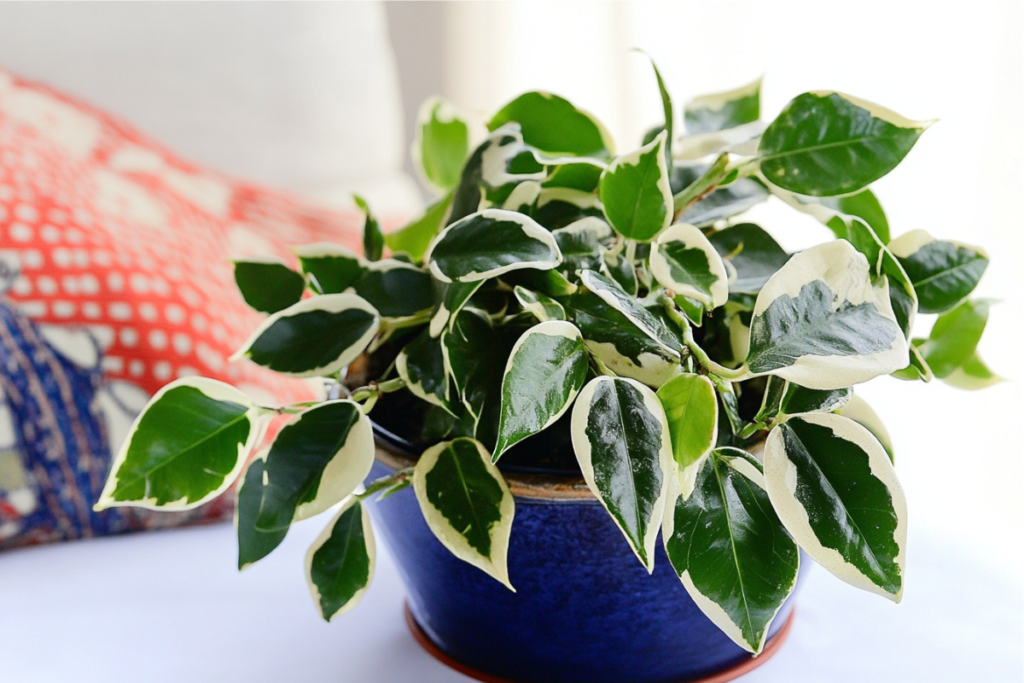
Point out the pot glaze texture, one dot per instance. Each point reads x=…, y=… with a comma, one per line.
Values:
x=584, y=610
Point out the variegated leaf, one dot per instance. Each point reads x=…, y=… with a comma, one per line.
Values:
x=719, y=111
x=684, y=261
x=552, y=124
x=331, y=268
x=542, y=307
x=635, y=192
x=858, y=410
x=943, y=273
x=253, y=543
x=341, y=562
x=267, y=284
x=441, y=144
x=398, y=290
x=752, y=252
x=421, y=366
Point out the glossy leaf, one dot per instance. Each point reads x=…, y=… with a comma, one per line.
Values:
x=692, y=413
x=253, y=543
x=620, y=269
x=827, y=143
x=719, y=111
x=752, y=252
x=635, y=192
x=268, y=285
x=414, y=238
x=341, y=562
x=728, y=547
x=685, y=262
x=542, y=307
x=331, y=268
x=441, y=145
x=315, y=462
x=798, y=399
x=574, y=173
x=396, y=289
x=552, y=124
x=818, y=322
x=550, y=282
x=835, y=490
x=558, y=207
x=494, y=170
x=421, y=366
x=449, y=299
x=490, y=243
x=545, y=372
x=467, y=504
x=622, y=443
x=955, y=336
x=315, y=337
x=186, y=447
x=373, y=237
x=469, y=349
x=943, y=273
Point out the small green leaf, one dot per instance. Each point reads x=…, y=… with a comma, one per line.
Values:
x=545, y=372
x=635, y=192
x=754, y=254
x=421, y=365
x=711, y=113
x=396, y=289
x=622, y=443
x=467, y=504
x=315, y=462
x=373, y=238
x=943, y=273
x=331, y=268
x=549, y=282
x=253, y=544
x=692, y=413
x=955, y=336
x=341, y=561
x=542, y=307
x=268, y=285
x=313, y=338
x=490, y=243
x=553, y=125
x=414, y=239
x=828, y=143
x=685, y=262
x=441, y=145
x=835, y=490
x=729, y=548
x=186, y=447
x=798, y=399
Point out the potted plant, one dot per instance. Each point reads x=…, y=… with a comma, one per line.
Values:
x=572, y=352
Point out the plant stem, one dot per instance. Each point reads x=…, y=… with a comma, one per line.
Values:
x=374, y=389
x=680, y=320
x=392, y=482
x=702, y=186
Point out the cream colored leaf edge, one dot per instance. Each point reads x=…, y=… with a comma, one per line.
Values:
x=666, y=462
x=611, y=297
x=740, y=140
x=318, y=250
x=402, y=367
x=495, y=157
x=578, y=198
x=861, y=412
x=780, y=478
x=346, y=469
x=531, y=228
x=657, y=147
x=593, y=225
x=692, y=238
x=333, y=303
x=847, y=274
x=325, y=535
x=497, y=564
x=909, y=243
x=878, y=111
x=213, y=389
x=261, y=259
x=525, y=193
x=531, y=302
x=720, y=100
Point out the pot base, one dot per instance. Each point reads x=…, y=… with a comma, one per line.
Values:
x=770, y=648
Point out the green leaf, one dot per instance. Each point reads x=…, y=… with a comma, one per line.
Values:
x=635, y=192
x=835, y=490
x=449, y=299
x=186, y=447
x=828, y=143
x=798, y=399
x=331, y=268
x=753, y=253
x=545, y=372
x=341, y=561
x=490, y=243
x=396, y=289
x=558, y=207
x=620, y=269
x=711, y=113
x=692, y=413
x=553, y=125
x=467, y=504
x=685, y=262
x=542, y=307
x=725, y=202
x=253, y=544
x=373, y=238
x=467, y=348
x=729, y=548
x=574, y=173
x=666, y=107
x=441, y=145
x=315, y=462
x=267, y=284
x=730, y=403
x=818, y=322
x=972, y=375
x=414, y=239
x=549, y=282
x=622, y=443
x=313, y=338
x=581, y=244
x=955, y=336
x=943, y=273
x=917, y=368
x=421, y=365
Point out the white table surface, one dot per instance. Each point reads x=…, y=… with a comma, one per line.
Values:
x=169, y=606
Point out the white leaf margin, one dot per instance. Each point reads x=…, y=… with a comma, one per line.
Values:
x=325, y=535
x=692, y=238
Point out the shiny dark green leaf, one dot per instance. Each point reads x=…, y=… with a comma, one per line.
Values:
x=253, y=543
x=340, y=563
x=943, y=273
x=754, y=254
x=268, y=286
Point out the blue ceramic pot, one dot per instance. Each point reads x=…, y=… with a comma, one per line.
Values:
x=584, y=610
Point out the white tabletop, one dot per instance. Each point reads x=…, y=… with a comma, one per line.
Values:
x=169, y=606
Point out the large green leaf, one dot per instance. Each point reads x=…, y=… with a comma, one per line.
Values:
x=545, y=372
x=489, y=243
x=331, y=268
x=267, y=284
x=622, y=443
x=253, y=544
x=552, y=124
x=420, y=364
x=943, y=273
x=685, y=262
x=315, y=462
x=729, y=549
x=313, y=338
x=752, y=252
x=691, y=409
x=719, y=111
x=414, y=238
x=955, y=336
x=396, y=289
x=835, y=490
x=635, y=192
x=820, y=323
x=828, y=143
x=467, y=504
x=441, y=145
x=341, y=561
x=186, y=447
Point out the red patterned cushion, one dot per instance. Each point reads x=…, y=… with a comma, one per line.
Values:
x=114, y=258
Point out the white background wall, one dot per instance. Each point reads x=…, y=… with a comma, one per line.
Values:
x=958, y=453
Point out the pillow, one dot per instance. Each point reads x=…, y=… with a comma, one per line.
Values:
x=114, y=280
